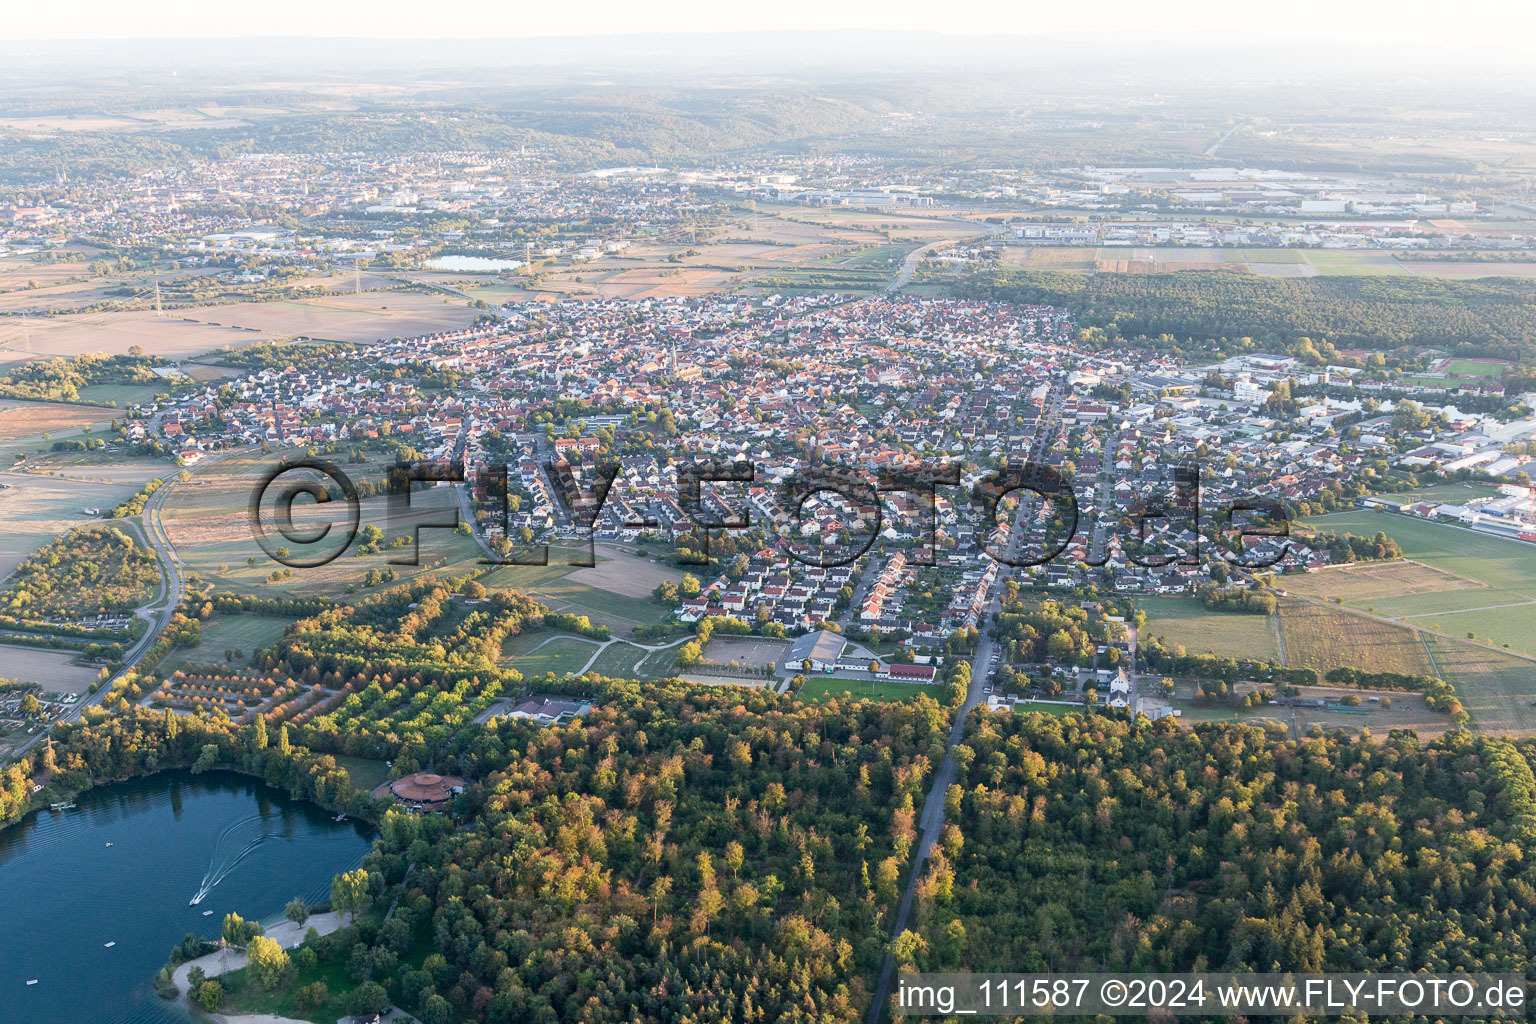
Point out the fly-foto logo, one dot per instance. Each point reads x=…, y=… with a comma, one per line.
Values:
x=1028, y=514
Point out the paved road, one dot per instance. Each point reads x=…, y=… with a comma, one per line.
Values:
x=1222, y=141
x=909, y=265
x=931, y=821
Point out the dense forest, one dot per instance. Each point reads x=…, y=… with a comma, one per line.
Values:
x=679, y=854
x=717, y=854
x=1098, y=844
x=701, y=855
x=1489, y=317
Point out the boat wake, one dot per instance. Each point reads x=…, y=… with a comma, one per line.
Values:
x=234, y=844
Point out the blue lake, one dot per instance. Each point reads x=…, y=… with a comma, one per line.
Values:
x=65, y=892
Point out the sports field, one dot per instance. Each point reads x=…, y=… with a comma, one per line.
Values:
x=1454, y=493
x=1476, y=368
x=745, y=650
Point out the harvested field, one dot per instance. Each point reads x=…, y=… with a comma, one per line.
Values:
x=172, y=336
x=53, y=670
x=22, y=274
x=31, y=419
x=1363, y=581
x=647, y=283
x=621, y=571
x=1050, y=257
x=36, y=508
x=365, y=317
x=1322, y=638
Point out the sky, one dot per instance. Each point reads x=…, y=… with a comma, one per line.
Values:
x=1465, y=26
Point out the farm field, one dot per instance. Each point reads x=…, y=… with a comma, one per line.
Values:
x=730, y=256
x=208, y=521
x=1466, y=269
x=1183, y=620
x=172, y=336
x=616, y=611
x=1260, y=262
x=1456, y=580
x=25, y=274
x=617, y=591
x=1501, y=564
x=37, y=507
x=1322, y=638
x=1050, y=257
x=1353, y=262
x=1362, y=582
x=1513, y=626
x=1498, y=690
x=823, y=688
x=620, y=571
x=19, y=420
x=53, y=670
x=1268, y=255
x=364, y=317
